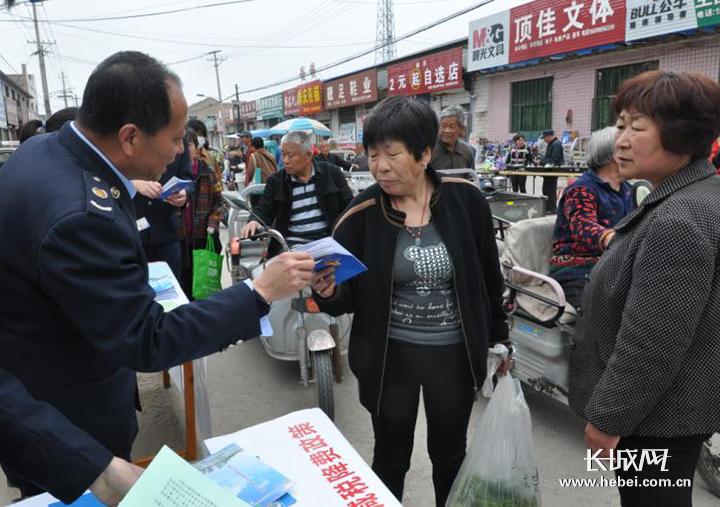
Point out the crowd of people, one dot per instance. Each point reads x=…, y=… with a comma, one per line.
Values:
x=79, y=317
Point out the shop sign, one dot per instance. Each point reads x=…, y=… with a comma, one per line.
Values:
x=248, y=110
x=707, y=12
x=348, y=91
x=310, y=98
x=290, y=102
x=270, y=107
x=432, y=73
x=548, y=27
x=488, y=42
x=648, y=18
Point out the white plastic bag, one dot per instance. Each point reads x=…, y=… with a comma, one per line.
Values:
x=499, y=469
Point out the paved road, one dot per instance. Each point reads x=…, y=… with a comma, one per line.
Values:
x=248, y=387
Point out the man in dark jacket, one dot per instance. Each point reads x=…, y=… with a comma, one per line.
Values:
x=78, y=316
x=555, y=157
x=40, y=443
x=331, y=158
x=303, y=200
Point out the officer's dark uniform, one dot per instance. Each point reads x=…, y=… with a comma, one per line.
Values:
x=39, y=442
x=77, y=316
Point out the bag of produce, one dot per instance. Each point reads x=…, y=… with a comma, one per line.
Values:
x=499, y=469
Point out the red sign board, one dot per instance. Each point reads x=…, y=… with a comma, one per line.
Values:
x=432, y=73
x=248, y=110
x=291, y=106
x=548, y=27
x=348, y=91
x=304, y=99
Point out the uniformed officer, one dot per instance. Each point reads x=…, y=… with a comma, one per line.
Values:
x=39, y=442
x=77, y=316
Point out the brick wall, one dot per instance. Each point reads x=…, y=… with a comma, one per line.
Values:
x=574, y=82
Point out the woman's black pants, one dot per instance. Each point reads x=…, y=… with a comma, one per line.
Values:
x=444, y=374
x=680, y=465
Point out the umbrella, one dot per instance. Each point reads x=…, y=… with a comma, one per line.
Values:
x=305, y=124
x=260, y=133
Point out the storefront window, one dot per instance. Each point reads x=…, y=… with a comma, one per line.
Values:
x=607, y=82
x=531, y=108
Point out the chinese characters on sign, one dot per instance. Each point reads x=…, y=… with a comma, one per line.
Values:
x=432, y=73
x=356, y=89
x=248, y=110
x=488, y=43
x=647, y=18
x=270, y=107
x=310, y=98
x=548, y=27
x=707, y=12
x=349, y=486
x=290, y=101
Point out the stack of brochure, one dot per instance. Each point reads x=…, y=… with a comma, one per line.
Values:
x=327, y=252
x=248, y=478
x=173, y=186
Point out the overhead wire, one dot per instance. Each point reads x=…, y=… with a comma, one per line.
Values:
x=371, y=50
x=144, y=15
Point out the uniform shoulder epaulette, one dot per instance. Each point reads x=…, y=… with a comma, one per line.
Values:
x=98, y=195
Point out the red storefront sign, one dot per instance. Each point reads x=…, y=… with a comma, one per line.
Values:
x=248, y=110
x=304, y=99
x=548, y=27
x=432, y=73
x=348, y=91
x=291, y=106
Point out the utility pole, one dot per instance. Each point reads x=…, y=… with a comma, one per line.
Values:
x=76, y=100
x=65, y=92
x=41, y=57
x=216, y=63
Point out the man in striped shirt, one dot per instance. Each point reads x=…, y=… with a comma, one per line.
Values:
x=303, y=200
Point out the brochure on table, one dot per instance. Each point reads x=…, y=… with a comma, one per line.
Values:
x=305, y=446
x=308, y=448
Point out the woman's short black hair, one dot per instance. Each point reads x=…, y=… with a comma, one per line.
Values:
x=127, y=87
x=258, y=143
x=516, y=137
x=198, y=126
x=60, y=118
x=684, y=105
x=409, y=121
x=29, y=129
x=192, y=137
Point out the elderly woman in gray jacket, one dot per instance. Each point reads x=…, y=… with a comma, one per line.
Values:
x=645, y=362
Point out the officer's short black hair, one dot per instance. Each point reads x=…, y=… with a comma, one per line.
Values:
x=410, y=121
x=127, y=87
x=258, y=143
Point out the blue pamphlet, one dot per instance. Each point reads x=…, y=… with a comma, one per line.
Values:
x=247, y=477
x=87, y=500
x=173, y=186
x=328, y=252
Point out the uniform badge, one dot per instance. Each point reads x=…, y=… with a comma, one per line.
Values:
x=115, y=193
x=102, y=194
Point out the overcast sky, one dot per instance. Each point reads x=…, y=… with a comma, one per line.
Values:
x=264, y=41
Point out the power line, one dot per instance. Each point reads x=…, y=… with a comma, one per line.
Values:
x=136, y=16
x=374, y=48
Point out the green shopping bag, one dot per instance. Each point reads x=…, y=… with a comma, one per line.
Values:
x=207, y=271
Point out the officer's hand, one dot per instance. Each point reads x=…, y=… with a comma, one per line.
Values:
x=178, y=199
x=150, y=189
x=286, y=274
x=323, y=282
x=249, y=229
x=112, y=485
